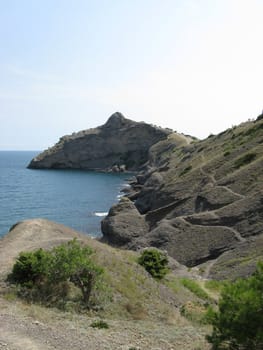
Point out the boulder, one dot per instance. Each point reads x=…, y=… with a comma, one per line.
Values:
x=123, y=224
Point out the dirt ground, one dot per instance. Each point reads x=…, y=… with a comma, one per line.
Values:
x=32, y=327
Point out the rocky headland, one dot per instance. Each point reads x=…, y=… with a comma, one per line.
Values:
x=118, y=145
x=201, y=201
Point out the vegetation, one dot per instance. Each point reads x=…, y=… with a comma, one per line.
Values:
x=99, y=324
x=185, y=170
x=244, y=160
x=215, y=285
x=238, y=323
x=194, y=311
x=155, y=262
x=195, y=288
x=46, y=276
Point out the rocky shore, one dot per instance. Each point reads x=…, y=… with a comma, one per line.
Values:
x=201, y=201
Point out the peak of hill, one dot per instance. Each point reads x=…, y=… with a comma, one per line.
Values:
x=202, y=201
x=118, y=145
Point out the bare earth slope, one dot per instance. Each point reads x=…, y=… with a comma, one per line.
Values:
x=142, y=314
x=202, y=202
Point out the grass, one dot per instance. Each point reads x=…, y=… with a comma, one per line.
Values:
x=194, y=311
x=173, y=283
x=244, y=160
x=186, y=170
x=214, y=285
x=252, y=131
x=195, y=288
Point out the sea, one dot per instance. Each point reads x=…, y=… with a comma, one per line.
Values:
x=76, y=198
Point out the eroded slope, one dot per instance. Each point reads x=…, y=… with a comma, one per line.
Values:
x=202, y=200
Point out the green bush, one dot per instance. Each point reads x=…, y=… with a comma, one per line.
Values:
x=238, y=323
x=30, y=268
x=99, y=324
x=46, y=275
x=155, y=262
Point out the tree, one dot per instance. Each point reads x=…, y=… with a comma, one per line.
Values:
x=45, y=275
x=155, y=262
x=238, y=323
x=72, y=262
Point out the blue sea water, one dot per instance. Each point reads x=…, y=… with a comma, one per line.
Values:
x=75, y=198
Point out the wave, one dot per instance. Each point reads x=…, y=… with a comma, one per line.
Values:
x=101, y=213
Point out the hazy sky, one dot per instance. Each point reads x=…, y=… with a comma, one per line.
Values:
x=195, y=66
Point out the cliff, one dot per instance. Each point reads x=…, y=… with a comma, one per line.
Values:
x=201, y=201
x=120, y=144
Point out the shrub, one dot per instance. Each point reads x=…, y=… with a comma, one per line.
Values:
x=46, y=275
x=99, y=324
x=72, y=262
x=30, y=268
x=238, y=323
x=244, y=160
x=155, y=262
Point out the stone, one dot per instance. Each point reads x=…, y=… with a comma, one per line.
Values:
x=123, y=224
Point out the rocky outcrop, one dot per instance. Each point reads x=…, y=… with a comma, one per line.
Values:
x=120, y=144
x=202, y=200
x=124, y=224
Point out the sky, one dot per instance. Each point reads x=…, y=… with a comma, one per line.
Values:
x=66, y=65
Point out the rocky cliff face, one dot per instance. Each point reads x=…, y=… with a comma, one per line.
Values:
x=117, y=145
x=202, y=201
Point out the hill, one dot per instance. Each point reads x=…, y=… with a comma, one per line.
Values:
x=142, y=313
x=201, y=201
x=118, y=145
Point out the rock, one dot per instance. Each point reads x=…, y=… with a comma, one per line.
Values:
x=32, y=234
x=123, y=224
x=119, y=145
x=239, y=262
x=203, y=200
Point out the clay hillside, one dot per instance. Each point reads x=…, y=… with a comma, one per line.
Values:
x=202, y=201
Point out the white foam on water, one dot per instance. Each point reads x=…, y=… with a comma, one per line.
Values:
x=101, y=213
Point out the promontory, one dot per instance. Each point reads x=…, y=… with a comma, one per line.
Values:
x=199, y=200
x=120, y=144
